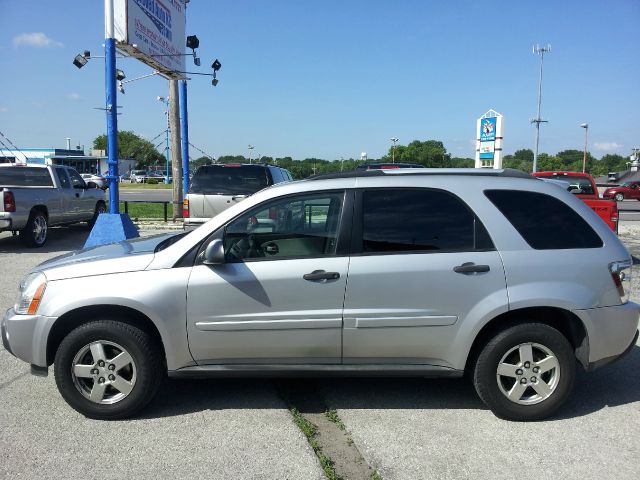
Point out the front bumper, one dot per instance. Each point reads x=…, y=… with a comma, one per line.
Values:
x=25, y=336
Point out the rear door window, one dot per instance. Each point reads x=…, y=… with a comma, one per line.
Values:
x=419, y=220
x=229, y=180
x=545, y=222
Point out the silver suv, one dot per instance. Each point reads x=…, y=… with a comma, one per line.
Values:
x=399, y=272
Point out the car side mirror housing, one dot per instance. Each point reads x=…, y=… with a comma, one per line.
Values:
x=81, y=187
x=214, y=253
x=91, y=184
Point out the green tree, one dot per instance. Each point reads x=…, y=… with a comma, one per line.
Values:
x=131, y=145
x=430, y=153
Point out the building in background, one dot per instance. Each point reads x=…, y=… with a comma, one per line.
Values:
x=95, y=163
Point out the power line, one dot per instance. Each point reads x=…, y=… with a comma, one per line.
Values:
x=15, y=149
x=202, y=151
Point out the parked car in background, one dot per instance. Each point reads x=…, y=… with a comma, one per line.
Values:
x=214, y=188
x=36, y=197
x=583, y=186
x=386, y=166
x=99, y=180
x=125, y=178
x=628, y=190
x=390, y=272
x=138, y=176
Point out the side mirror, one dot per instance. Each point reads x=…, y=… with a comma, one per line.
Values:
x=81, y=187
x=91, y=184
x=214, y=253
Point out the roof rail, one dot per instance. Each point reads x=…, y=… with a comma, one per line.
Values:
x=485, y=172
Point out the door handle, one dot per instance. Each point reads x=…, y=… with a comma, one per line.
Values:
x=321, y=275
x=77, y=195
x=470, y=267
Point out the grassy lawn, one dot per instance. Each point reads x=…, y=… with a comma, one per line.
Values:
x=160, y=186
x=146, y=210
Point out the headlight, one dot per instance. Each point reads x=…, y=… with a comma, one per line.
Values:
x=30, y=293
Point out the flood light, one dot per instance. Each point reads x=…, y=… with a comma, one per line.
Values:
x=193, y=42
x=120, y=74
x=80, y=61
x=216, y=65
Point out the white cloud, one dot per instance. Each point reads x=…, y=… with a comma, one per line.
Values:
x=37, y=104
x=35, y=39
x=3, y=109
x=607, y=146
x=74, y=96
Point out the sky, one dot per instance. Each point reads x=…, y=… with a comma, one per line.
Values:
x=333, y=79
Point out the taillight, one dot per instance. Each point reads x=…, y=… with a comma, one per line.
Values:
x=621, y=276
x=185, y=208
x=9, y=202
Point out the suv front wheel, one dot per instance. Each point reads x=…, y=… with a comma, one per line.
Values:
x=525, y=372
x=108, y=370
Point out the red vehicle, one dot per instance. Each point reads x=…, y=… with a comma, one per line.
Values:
x=626, y=190
x=583, y=186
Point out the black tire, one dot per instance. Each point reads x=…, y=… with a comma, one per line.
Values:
x=100, y=208
x=530, y=405
x=145, y=370
x=619, y=197
x=34, y=234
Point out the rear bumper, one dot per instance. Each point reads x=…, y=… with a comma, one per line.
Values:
x=612, y=331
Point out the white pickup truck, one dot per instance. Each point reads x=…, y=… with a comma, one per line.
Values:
x=35, y=197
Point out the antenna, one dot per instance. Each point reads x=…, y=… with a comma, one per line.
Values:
x=538, y=50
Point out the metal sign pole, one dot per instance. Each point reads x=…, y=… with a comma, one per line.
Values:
x=111, y=106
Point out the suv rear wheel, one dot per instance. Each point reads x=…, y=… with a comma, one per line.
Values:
x=108, y=370
x=525, y=372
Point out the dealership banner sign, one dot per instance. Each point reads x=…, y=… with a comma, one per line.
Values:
x=152, y=31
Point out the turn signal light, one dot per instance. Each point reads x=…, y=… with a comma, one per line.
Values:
x=9, y=202
x=185, y=208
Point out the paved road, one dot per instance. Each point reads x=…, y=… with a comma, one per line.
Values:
x=234, y=429
x=149, y=195
x=406, y=428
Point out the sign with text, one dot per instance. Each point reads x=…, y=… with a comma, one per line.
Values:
x=152, y=31
x=488, y=129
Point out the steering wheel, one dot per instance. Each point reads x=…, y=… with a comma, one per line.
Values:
x=246, y=247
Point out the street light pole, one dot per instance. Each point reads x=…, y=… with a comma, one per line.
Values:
x=251, y=147
x=584, y=158
x=393, y=150
x=165, y=101
x=539, y=51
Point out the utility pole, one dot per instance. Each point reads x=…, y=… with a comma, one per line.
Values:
x=111, y=107
x=539, y=51
x=176, y=154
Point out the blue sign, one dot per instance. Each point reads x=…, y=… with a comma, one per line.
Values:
x=488, y=129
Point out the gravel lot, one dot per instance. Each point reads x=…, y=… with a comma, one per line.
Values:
x=405, y=428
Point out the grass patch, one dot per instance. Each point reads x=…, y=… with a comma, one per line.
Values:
x=159, y=186
x=310, y=430
x=375, y=475
x=146, y=210
x=332, y=415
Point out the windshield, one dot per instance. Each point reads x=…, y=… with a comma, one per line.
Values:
x=576, y=185
x=229, y=180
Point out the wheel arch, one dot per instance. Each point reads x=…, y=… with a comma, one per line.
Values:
x=79, y=316
x=40, y=208
x=565, y=321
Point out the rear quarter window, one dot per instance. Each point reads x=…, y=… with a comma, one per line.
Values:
x=545, y=222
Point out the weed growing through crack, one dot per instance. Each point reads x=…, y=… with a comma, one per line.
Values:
x=332, y=415
x=310, y=430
